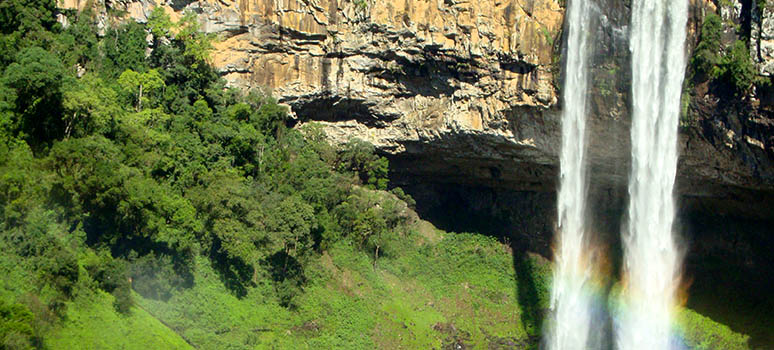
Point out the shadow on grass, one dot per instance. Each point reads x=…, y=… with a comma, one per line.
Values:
x=533, y=292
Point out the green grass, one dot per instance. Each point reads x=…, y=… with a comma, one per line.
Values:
x=702, y=333
x=426, y=294
x=92, y=323
x=430, y=291
x=461, y=288
x=470, y=279
x=211, y=317
x=698, y=332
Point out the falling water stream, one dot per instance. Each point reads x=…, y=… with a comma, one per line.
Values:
x=570, y=300
x=652, y=258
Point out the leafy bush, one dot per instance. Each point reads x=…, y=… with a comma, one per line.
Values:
x=288, y=274
x=59, y=268
x=372, y=220
x=398, y=192
x=734, y=68
x=702, y=333
x=707, y=55
x=123, y=299
x=16, y=330
x=358, y=156
x=737, y=68
x=112, y=276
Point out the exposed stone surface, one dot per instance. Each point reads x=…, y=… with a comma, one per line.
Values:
x=460, y=94
x=401, y=74
x=762, y=38
x=463, y=92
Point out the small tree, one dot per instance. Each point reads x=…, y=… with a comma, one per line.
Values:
x=159, y=23
x=359, y=156
x=197, y=44
x=89, y=106
x=706, y=57
x=136, y=84
x=371, y=219
x=291, y=225
x=737, y=68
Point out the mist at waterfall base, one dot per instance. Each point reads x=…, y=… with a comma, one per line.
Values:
x=642, y=311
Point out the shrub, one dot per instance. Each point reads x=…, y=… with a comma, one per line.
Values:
x=358, y=156
x=734, y=69
x=124, y=301
x=706, y=57
x=288, y=275
x=737, y=68
x=372, y=220
x=111, y=275
x=398, y=192
x=59, y=268
x=16, y=331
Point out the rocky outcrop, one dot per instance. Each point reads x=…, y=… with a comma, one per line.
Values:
x=762, y=37
x=401, y=74
x=465, y=92
x=732, y=135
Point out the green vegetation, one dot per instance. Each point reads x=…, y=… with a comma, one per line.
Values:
x=707, y=55
x=737, y=68
x=361, y=4
x=440, y=289
x=120, y=171
x=137, y=330
x=701, y=333
x=695, y=331
x=16, y=328
x=144, y=204
x=761, y=4
x=729, y=65
x=547, y=34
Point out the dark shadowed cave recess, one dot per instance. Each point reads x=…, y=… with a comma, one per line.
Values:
x=729, y=265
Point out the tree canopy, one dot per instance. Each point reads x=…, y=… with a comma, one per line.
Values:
x=122, y=161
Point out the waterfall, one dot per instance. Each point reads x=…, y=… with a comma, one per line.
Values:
x=652, y=258
x=570, y=299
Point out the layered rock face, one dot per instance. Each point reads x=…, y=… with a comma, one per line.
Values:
x=458, y=91
x=732, y=136
x=762, y=37
x=465, y=92
x=459, y=82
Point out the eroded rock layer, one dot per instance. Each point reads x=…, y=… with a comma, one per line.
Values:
x=465, y=92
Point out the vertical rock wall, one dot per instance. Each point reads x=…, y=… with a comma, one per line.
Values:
x=465, y=92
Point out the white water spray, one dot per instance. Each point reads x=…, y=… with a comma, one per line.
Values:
x=570, y=299
x=652, y=258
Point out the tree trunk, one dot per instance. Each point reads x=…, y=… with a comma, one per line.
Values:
x=69, y=126
x=139, y=100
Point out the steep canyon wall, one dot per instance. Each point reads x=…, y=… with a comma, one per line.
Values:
x=465, y=92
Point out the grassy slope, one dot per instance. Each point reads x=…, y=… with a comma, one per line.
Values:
x=461, y=289
x=702, y=333
x=92, y=323
x=436, y=289
x=454, y=288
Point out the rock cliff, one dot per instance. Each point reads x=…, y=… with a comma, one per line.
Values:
x=466, y=92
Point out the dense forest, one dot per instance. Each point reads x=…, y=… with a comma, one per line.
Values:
x=120, y=168
x=145, y=204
